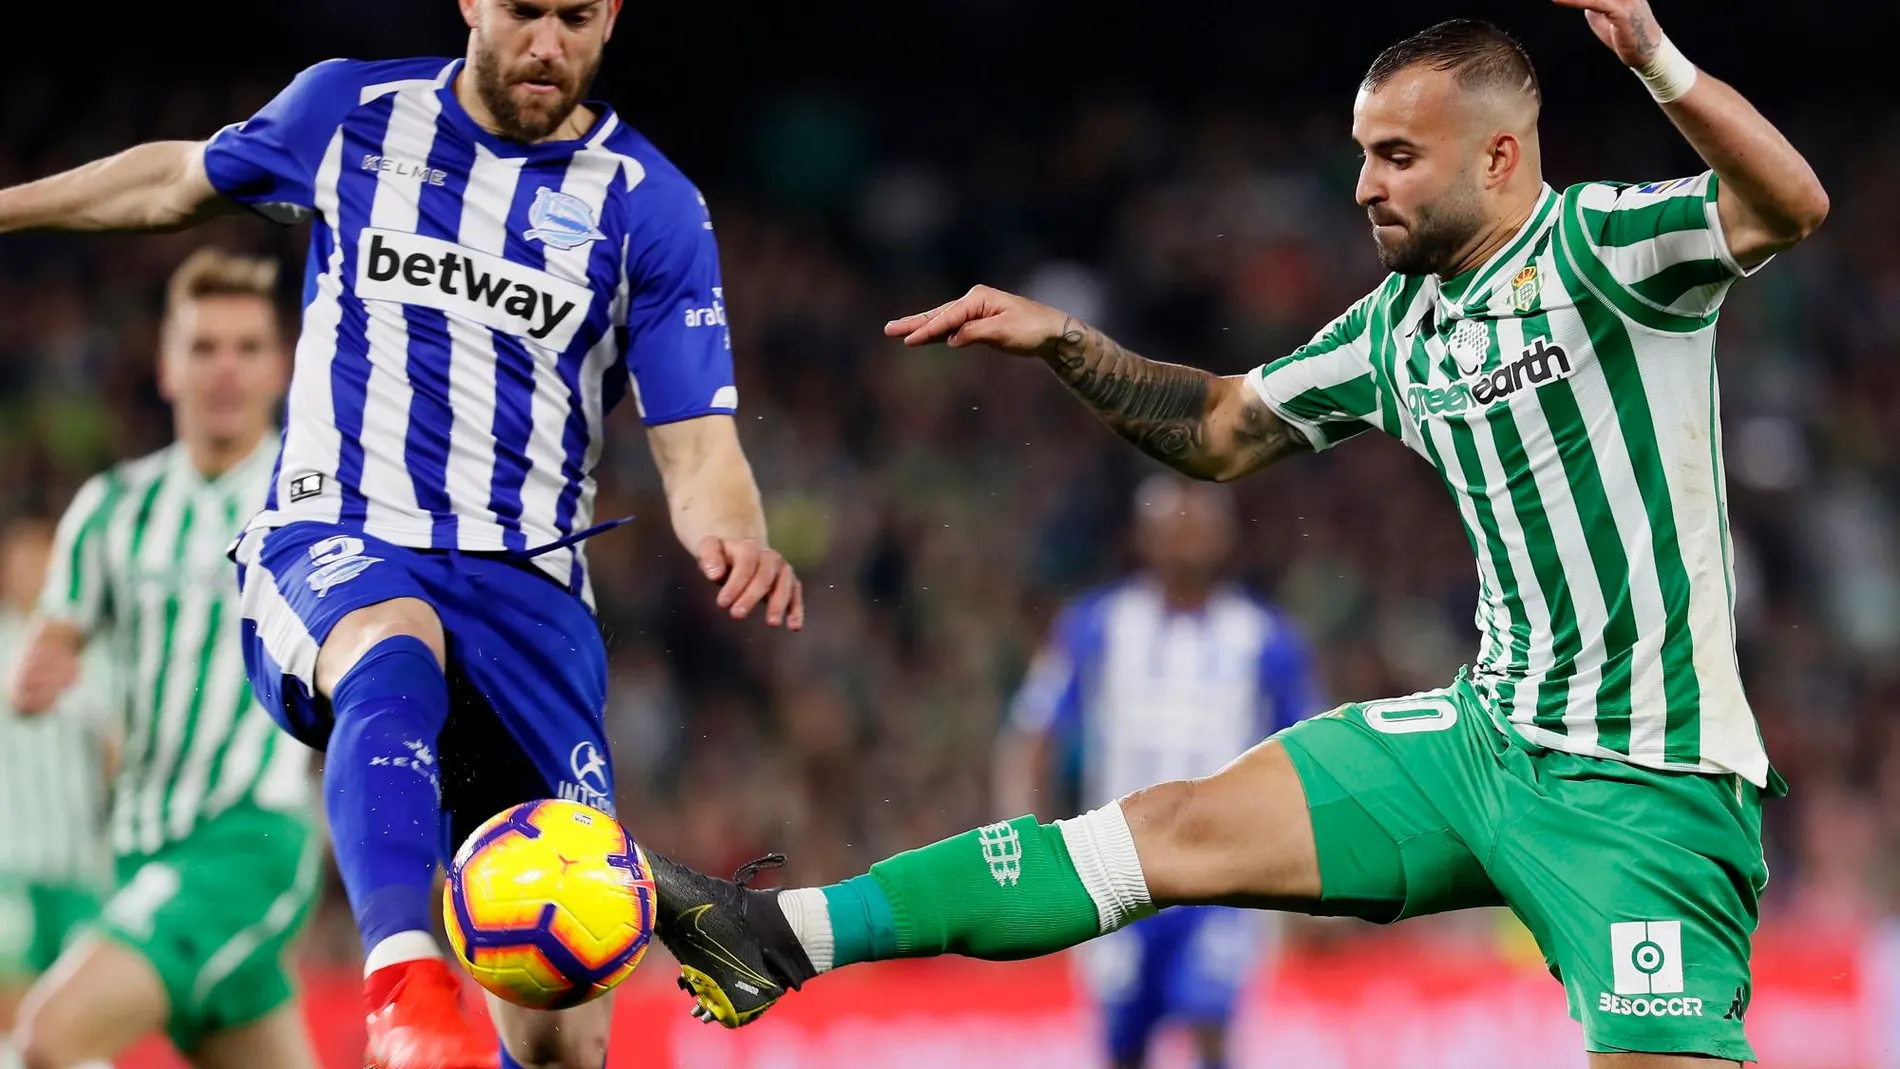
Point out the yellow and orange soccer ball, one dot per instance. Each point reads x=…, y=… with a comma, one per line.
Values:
x=549, y=904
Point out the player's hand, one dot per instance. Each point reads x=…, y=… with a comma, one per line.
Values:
x=41, y=675
x=1628, y=27
x=751, y=572
x=990, y=316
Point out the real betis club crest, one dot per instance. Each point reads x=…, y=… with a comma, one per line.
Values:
x=1525, y=289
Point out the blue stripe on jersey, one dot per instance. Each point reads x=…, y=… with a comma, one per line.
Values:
x=363, y=135
x=426, y=447
x=603, y=262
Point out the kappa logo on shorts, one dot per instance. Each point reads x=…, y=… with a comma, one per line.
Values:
x=338, y=560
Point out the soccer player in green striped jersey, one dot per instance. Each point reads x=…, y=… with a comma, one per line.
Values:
x=1597, y=770
x=53, y=861
x=216, y=855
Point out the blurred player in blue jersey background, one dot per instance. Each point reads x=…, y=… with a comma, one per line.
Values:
x=1168, y=674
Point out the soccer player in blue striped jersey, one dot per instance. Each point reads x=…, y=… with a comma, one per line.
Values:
x=1166, y=675
x=495, y=262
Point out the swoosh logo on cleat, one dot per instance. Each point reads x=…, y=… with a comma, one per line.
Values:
x=713, y=949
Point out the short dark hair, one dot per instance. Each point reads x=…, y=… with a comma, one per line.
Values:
x=1483, y=56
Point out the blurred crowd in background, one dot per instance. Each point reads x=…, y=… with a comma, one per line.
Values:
x=940, y=505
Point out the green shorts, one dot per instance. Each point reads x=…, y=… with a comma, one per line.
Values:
x=1640, y=886
x=36, y=921
x=215, y=914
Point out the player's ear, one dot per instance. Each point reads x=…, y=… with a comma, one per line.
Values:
x=471, y=12
x=1503, y=159
x=613, y=16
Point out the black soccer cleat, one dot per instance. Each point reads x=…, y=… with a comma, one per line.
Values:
x=736, y=950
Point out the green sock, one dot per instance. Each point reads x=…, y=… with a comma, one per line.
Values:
x=1000, y=892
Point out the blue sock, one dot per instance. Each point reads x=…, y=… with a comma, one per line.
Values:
x=508, y=1061
x=380, y=785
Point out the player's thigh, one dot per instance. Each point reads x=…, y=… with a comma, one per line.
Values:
x=1241, y=835
x=314, y=598
x=215, y=914
x=554, y=1039
x=528, y=688
x=1642, y=889
x=277, y=1039
x=99, y=998
x=1369, y=811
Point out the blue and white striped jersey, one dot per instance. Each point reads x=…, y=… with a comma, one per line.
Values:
x=1141, y=694
x=472, y=308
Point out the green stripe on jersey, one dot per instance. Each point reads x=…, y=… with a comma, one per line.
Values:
x=152, y=559
x=1564, y=391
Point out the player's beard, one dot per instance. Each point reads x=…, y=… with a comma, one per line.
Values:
x=1435, y=235
x=536, y=121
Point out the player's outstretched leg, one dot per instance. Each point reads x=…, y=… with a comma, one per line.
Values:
x=1016, y=889
x=381, y=667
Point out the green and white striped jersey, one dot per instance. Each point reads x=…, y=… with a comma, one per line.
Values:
x=140, y=566
x=52, y=775
x=1566, y=393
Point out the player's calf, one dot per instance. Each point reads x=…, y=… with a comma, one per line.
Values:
x=565, y=1039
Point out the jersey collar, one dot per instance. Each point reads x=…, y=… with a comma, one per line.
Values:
x=1469, y=292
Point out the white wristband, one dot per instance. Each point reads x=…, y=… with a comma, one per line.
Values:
x=1668, y=74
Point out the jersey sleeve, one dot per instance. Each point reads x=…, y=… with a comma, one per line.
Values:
x=93, y=700
x=75, y=590
x=679, y=348
x=1289, y=686
x=1656, y=249
x=269, y=162
x=1326, y=388
x=1049, y=702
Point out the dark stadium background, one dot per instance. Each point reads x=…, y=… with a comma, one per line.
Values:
x=1182, y=171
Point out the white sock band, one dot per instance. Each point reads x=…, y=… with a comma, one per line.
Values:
x=806, y=911
x=1103, y=851
x=403, y=946
x=1669, y=73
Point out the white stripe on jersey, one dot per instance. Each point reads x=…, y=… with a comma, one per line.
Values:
x=317, y=444
x=388, y=491
x=588, y=176
x=472, y=365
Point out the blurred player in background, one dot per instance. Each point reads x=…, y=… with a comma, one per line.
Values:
x=1169, y=674
x=54, y=867
x=217, y=859
x=1598, y=769
x=495, y=262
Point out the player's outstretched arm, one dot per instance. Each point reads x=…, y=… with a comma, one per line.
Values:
x=718, y=515
x=48, y=665
x=160, y=185
x=1201, y=424
x=1769, y=198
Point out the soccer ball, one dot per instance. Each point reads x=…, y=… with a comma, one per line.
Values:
x=549, y=904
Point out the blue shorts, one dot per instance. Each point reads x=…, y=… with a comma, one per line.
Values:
x=1188, y=964
x=526, y=667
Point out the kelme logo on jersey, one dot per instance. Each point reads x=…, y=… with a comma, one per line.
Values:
x=1538, y=364
x=432, y=273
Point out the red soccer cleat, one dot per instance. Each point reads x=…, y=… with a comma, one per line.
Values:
x=419, y=1024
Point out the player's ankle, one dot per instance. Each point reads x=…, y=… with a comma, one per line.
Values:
x=392, y=960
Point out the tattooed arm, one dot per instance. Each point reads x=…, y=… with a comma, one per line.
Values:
x=1200, y=424
x=1768, y=198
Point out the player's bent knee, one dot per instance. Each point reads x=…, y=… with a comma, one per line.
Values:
x=360, y=631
